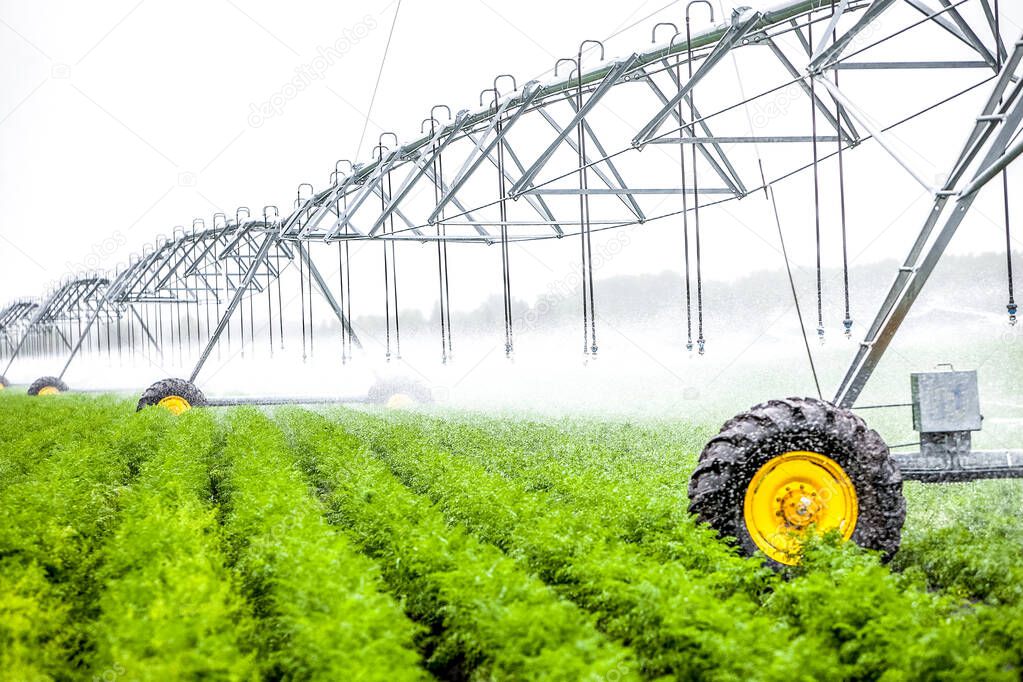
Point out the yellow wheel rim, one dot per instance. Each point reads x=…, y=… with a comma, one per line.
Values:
x=399, y=401
x=792, y=493
x=48, y=390
x=175, y=404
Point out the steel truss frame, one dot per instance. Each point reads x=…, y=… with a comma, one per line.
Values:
x=225, y=262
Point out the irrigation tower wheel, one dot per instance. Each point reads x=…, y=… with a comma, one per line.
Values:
x=398, y=393
x=787, y=467
x=3, y=382
x=175, y=395
x=47, y=386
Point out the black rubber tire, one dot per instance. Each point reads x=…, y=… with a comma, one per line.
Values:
x=168, y=387
x=3, y=382
x=729, y=461
x=384, y=389
x=42, y=382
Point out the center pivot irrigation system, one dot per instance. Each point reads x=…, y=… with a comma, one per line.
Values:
x=565, y=158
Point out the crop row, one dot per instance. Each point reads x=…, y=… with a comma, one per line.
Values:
x=486, y=617
x=170, y=608
x=32, y=431
x=634, y=475
x=841, y=615
x=322, y=612
x=57, y=513
x=368, y=545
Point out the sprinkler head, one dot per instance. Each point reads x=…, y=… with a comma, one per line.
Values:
x=701, y=344
x=689, y=346
x=820, y=334
x=1012, y=313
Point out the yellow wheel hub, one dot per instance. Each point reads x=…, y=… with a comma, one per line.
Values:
x=48, y=390
x=175, y=404
x=399, y=401
x=790, y=493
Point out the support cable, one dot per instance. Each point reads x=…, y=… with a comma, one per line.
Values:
x=387, y=285
x=509, y=342
x=686, y=289
x=816, y=194
x=847, y=322
x=252, y=303
x=685, y=221
x=438, y=177
x=269, y=300
x=241, y=306
x=346, y=290
x=584, y=206
x=1011, y=306
x=341, y=281
x=309, y=288
x=792, y=283
x=348, y=287
x=301, y=297
x=376, y=85
x=216, y=282
x=700, y=341
x=341, y=272
x=586, y=216
x=394, y=279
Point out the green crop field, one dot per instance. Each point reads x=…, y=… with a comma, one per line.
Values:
x=361, y=545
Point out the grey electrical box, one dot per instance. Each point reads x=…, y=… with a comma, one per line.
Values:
x=945, y=401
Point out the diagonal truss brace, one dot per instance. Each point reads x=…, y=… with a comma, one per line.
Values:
x=919, y=264
x=612, y=77
x=529, y=93
x=420, y=167
x=269, y=239
x=742, y=24
x=730, y=176
x=321, y=283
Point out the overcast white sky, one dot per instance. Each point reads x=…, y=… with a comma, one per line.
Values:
x=122, y=119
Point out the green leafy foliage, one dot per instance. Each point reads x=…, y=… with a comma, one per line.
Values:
x=487, y=617
x=54, y=517
x=235, y=546
x=171, y=608
x=321, y=611
x=675, y=619
x=966, y=539
x=576, y=542
x=30, y=428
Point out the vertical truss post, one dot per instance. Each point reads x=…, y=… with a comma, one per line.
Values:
x=321, y=284
x=268, y=241
x=914, y=273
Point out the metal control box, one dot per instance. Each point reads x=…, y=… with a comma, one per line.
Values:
x=945, y=401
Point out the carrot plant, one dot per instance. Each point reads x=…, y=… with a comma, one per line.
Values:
x=322, y=614
x=691, y=629
x=634, y=477
x=967, y=540
x=171, y=608
x=53, y=521
x=30, y=429
x=487, y=618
